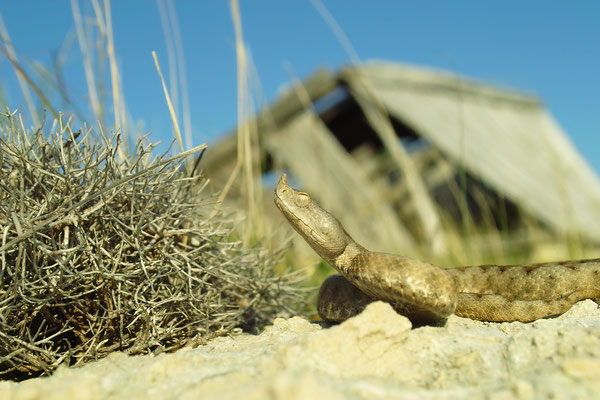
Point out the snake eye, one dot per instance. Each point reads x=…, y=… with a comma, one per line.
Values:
x=302, y=199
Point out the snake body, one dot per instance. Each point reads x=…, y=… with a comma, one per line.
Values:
x=424, y=292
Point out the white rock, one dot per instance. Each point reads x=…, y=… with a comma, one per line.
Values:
x=375, y=355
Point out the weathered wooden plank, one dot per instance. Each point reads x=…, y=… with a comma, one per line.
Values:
x=324, y=169
x=510, y=141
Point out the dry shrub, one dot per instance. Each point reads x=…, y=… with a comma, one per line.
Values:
x=99, y=254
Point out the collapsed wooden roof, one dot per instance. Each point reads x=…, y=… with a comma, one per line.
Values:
x=505, y=138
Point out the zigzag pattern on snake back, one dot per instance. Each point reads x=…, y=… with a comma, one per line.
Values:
x=424, y=292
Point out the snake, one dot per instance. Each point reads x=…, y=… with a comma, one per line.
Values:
x=426, y=293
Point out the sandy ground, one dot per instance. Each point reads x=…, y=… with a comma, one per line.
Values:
x=375, y=355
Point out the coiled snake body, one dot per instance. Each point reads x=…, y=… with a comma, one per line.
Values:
x=424, y=292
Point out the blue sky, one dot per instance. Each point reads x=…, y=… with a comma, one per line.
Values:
x=547, y=48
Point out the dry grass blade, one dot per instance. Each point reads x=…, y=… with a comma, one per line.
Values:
x=169, y=103
x=21, y=72
x=247, y=143
x=22, y=83
x=87, y=61
x=379, y=119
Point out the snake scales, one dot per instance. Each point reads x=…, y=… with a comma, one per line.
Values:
x=424, y=292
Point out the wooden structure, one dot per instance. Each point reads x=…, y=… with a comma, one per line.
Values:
x=387, y=147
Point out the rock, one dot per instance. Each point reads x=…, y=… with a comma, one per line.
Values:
x=375, y=355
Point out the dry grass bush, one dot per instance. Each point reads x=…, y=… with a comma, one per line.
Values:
x=99, y=254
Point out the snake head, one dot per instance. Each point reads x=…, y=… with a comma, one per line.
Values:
x=321, y=230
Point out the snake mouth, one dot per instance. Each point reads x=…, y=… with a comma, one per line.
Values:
x=298, y=223
x=304, y=229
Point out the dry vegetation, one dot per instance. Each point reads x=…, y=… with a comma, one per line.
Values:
x=101, y=254
x=106, y=248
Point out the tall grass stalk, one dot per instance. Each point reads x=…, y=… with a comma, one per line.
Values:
x=177, y=70
x=118, y=101
x=247, y=140
x=169, y=104
x=88, y=68
x=380, y=120
x=12, y=56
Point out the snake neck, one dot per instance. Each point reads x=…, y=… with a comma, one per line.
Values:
x=345, y=261
x=321, y=230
